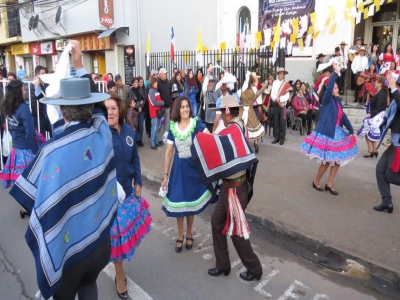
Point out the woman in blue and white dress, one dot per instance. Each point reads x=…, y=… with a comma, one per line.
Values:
x=187, y=195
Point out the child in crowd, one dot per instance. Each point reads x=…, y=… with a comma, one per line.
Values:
x=132, y=114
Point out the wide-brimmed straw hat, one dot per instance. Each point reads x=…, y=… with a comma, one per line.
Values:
x=343, y=43
x=281, y=70
x=362, y=49
x=75, y=91
x=228, y=102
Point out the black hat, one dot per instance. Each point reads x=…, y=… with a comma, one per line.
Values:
x=337, y=49
x=320, y=55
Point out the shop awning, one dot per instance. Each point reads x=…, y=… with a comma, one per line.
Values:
x=112, y=30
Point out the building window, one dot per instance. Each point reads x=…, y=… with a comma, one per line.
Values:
x=244, y=21
x=14, y=26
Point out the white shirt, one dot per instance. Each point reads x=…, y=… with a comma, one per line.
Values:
x=359, y=64
x=275, y=92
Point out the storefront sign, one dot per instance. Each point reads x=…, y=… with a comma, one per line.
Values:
x=90, y=42
x=19, y=49
x=291, y=12
x=106, y=12
x=129, y=63
x=44, y=48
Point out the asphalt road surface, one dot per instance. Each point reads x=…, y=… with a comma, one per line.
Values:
x=157, y=272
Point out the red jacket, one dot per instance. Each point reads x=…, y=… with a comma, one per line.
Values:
x=155, y=102
x=298, y=106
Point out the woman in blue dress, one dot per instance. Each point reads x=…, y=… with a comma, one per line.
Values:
x=187, y=195
x=329, y=143
x=133, y=219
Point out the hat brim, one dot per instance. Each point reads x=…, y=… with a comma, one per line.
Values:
x=94, y=98
x=219, y=108
x=285, y=72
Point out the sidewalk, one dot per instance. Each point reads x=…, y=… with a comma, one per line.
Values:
x=284, y=199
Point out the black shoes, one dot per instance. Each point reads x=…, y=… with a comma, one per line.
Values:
x=275, y=141
x=160, y=143
x=383, y=207
x=370, y=154
x=316, y=187
x=281, y=142
x=178, y=249
x=23, y=213
x=255, y=148
x=217, y=272
x=188, y=247
x=248, y=277
x=123, y=295
x=328, y=188
x=154, y=148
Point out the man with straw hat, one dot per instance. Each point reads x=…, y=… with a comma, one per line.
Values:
x=236, y=190
x=70, y=190
x=280, y=94
x=359, y=65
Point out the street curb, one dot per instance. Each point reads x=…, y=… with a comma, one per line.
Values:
x=385, y=276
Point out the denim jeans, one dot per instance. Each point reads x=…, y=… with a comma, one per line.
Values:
x=154, y=132
x=139, y=132
x=193, y=103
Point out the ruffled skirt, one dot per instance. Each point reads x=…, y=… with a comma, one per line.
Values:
x=130, y=226
x=16, y=163
x=340, y=150
x=370, y=127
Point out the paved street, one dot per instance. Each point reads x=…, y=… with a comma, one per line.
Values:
x=157, y=272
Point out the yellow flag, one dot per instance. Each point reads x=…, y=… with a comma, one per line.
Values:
x=310, y=30
x=346, y=15
x=222, y=45
x=377, y=5
x=205, y=48
x=300, y=43
x=258, y=36
x=333, y=29
x=293, y=38
x=186, y=56
x=328, y=21
x=366, y=13
x=352, y=22
x=312, y=17
x=361, y=6
x=199, y=41
x=148, y=43
x=277, y=30
x=331, y=12
x=315, y=35
x=350, y=3
x=390, y=1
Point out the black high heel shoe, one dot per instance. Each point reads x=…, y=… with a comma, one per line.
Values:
x=328, y=188
x=316, y=187
x=23, y=213
x=382, y=207
x=370, y=154
x=123, y=295
x=179, y=249
x=376, y=153
x=188, y=247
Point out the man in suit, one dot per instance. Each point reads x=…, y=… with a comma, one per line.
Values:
x=122, y=90
x=359, y=64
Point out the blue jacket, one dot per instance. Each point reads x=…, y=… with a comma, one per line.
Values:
x=126, y=158
x=22, y=130
x=391, y=116
x=329, y=112
x=191, y=92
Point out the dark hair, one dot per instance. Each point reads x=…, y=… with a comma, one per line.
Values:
x=152, y=81
x=13, y=97
x=12, y=74
x=134, y=79
x=298, y=80
x=140, y=78
x=386, y=46
x=121, y=106
x=303, y=83
x=201, y=71
x=112, y=76
x=38, y=69
x=194, y=79
x=81, y=113
x=234, y=111
x=111, y=84
x=175, y=115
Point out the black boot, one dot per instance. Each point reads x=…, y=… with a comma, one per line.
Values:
x=384, y=206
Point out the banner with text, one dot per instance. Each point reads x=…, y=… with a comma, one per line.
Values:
x=295, y=29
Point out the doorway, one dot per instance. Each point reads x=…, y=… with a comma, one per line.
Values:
x=99, y=62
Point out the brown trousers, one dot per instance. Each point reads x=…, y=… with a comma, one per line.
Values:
x=242, y=246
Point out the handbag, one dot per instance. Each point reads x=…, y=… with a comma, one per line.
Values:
x=161, y=113
x=6, y=144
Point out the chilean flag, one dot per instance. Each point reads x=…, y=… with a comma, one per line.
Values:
x=172, y=49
